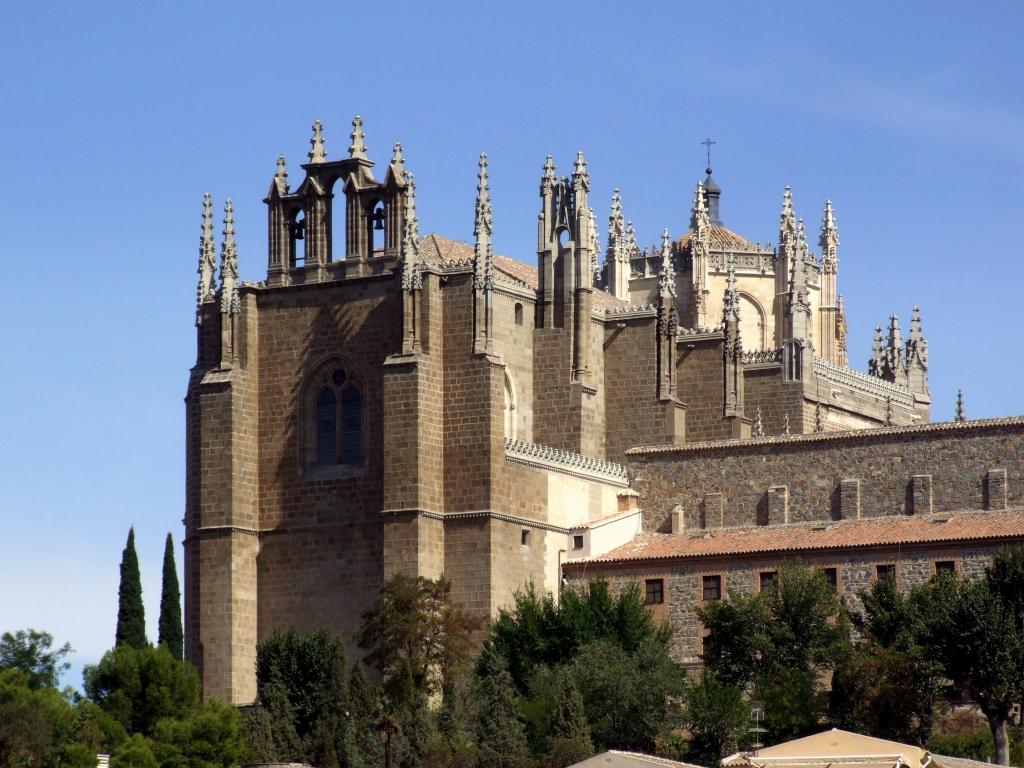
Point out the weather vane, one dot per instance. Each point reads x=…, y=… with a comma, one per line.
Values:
x=707, y=143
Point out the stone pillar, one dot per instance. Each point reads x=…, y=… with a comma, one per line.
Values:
x=778, y=504
x=849, y=499
x=921, y=494
x=995, y=489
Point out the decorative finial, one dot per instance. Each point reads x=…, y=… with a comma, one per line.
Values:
x=787, y=202
x=281, y=174
x=667, y=279
x=207, y=255
x=483, y=229
x=412, y=275
x=317, y=151
x=785, y=423
x=229, y=301
x=398, y=161
x=699, y=221
x=357, y=148
x=580, y=174
x=959, y=406
x=632, y=248
x=758, y=425
x=829, y=238
x=877, y=361
x=595, y=247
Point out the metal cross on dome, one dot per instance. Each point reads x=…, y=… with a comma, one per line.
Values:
x=707, y=143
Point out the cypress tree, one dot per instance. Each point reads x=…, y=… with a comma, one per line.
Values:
x=170, y=632
x=500, y=733
x=131, y=616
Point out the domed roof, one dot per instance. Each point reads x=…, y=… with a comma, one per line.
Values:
x=722, y=239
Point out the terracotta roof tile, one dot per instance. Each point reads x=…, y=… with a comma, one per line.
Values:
x=435, y=248
x=803, y=537
x=723, y=239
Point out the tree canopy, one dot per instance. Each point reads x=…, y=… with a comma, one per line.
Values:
x=32, y=652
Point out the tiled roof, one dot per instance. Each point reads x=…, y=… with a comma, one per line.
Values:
x=802, y=537
x=823, y=437
x=723, y=239
x=435, y=248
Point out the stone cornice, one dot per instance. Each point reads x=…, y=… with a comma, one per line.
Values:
x=862, y=382
x=879, y=434
x=556, y=460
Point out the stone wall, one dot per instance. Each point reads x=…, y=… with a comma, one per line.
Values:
x=956, y=456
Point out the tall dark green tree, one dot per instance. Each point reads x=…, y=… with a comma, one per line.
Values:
x=170, y=631
x=501, y=737
x=131, y=616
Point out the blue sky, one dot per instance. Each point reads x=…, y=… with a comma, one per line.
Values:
x=117, y=117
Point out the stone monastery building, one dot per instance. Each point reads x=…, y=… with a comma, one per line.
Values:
x=682, y=417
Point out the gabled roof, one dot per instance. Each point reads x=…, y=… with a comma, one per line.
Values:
x=615, y=758
x=821, y=535
x=833, y=749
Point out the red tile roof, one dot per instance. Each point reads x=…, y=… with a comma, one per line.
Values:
x=723, y=239
x=803, y=537
x=434, y=248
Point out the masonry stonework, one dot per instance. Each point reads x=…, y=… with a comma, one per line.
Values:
x=390, y=402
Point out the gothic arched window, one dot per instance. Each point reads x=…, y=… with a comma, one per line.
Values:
x=339, y=421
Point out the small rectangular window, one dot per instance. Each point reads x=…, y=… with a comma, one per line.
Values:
x=524, y=537
x=831, y=576
x=655, y=592
x=767, y=579
x=577, y=541
x=712, y=588
x=885, y=571
x=945, y=566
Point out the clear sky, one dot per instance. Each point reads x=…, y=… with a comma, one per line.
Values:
x=117, y=117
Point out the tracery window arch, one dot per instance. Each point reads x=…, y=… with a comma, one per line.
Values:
x=339, y=420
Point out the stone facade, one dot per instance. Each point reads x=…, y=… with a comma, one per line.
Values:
x=386, y=401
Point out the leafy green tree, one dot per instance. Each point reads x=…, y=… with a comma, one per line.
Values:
x=538, y=632
x=415, y=636
x=779, y=645
x=366, y=711
x=717, y=715
x=140, y=687
x=35, y=722
x=206, y=738
x=30, y=651
x=131, y=615
x=890, y=687
x=977, y=637
x=570, y=731
x=135, y=752
x=629, y=697
x=169, y=627
x=501, y=737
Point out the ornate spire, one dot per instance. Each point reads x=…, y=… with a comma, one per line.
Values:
x=894, y=367
x=841, y=329
x=667, y=278
x=632, y=249
x=616, y=230
x=398, y=162
x=595, y=248
x=758, y=425
x=787, y=219
x=731, y=299
x=917, y=345
x=580, y=174
x=959, y=406
x=877, y=361
x=412, y=275
x=829, y=240
x=483, y=229
x=229, y=301
x=548, y=178
x=357, y=148
x=207, y=256
x=699, y=213
x=317, y=150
